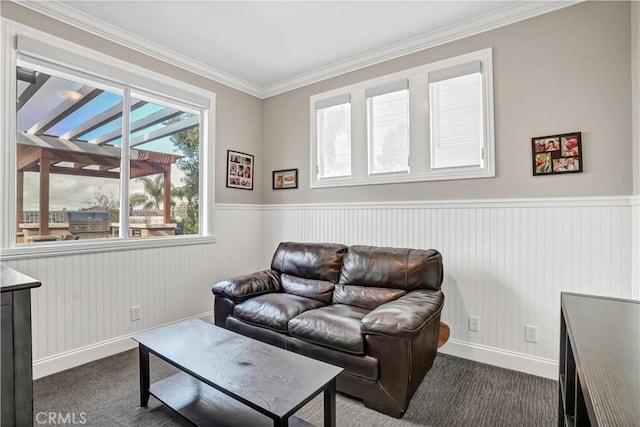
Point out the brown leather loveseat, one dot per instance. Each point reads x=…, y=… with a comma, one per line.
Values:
x=373, y=311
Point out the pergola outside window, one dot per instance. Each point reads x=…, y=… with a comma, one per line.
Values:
x=70, y=182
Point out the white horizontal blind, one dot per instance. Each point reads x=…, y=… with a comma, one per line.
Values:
x=428, y=123
x=333, y=121
x=456, y=121
x=79, y=62
x=388, y=128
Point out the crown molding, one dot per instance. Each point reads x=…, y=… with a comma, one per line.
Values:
x=61, y=12
x=518, y=12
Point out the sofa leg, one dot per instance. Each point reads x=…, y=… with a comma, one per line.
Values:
x=392, y=412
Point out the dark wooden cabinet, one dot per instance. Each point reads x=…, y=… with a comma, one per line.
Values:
x=15, y=348
x=599, y=383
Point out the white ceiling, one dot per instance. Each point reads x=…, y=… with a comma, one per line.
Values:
x=267, y=47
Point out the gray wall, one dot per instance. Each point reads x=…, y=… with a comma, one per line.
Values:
x=238, y=115
x=635, y=92
x=566, y=71
x=569, y=70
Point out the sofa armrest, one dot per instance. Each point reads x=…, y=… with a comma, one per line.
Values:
x=404, y=317
x=243, y=287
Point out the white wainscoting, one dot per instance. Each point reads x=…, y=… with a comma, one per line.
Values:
x=635, y=237
x=82, y=311
x=506, y=261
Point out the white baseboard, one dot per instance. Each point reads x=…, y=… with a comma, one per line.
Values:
x=82, y=355
x=538, y=366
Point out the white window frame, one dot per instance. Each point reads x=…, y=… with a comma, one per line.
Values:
x=419, y=132
x=42, y=48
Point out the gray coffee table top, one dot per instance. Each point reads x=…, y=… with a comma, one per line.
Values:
x=250, y=371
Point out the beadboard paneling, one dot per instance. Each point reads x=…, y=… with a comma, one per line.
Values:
x=506, y=262
x=85, y=299
x=635, y=252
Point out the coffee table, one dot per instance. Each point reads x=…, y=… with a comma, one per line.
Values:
x=228, y=379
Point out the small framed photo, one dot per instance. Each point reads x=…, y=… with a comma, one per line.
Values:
x=283, y=179
x=557, y=154
x=239, y=170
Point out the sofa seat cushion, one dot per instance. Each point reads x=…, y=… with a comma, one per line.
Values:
x=274, y=310
x=336, y=326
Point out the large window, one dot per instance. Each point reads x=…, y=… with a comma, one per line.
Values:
x=432, y=122
x=101, y=151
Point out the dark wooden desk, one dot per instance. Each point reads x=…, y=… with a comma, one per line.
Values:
x=15, y=356
x=232, y=380
x=599, y=361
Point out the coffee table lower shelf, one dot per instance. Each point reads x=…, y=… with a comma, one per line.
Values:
x=203, y=405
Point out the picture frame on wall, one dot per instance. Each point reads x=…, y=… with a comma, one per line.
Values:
x=240, y=170
x=286, y=178
x=557, y=154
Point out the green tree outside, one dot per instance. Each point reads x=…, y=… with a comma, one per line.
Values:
x=153, y=193
x=187, y=143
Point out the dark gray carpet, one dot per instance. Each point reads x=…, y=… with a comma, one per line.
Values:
x=455, y=392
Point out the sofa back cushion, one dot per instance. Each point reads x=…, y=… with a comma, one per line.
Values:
x=397, y=268
x=319, y=290
x=317, y=261
x=365, y=297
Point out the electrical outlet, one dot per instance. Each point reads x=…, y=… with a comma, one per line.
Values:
x=531, y=333
x=474, y=324
x=135, y=312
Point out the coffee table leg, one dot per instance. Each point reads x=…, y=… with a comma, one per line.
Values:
x=330, y=404
x=144, y=375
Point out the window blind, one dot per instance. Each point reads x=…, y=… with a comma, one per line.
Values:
x=456, y=120
x=333, y=101
x=388, y=128
x=333, y=121
x=50, y=57
x=459, y=70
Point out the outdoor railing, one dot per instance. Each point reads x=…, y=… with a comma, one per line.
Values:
x=136, y=216
x=55, y=217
